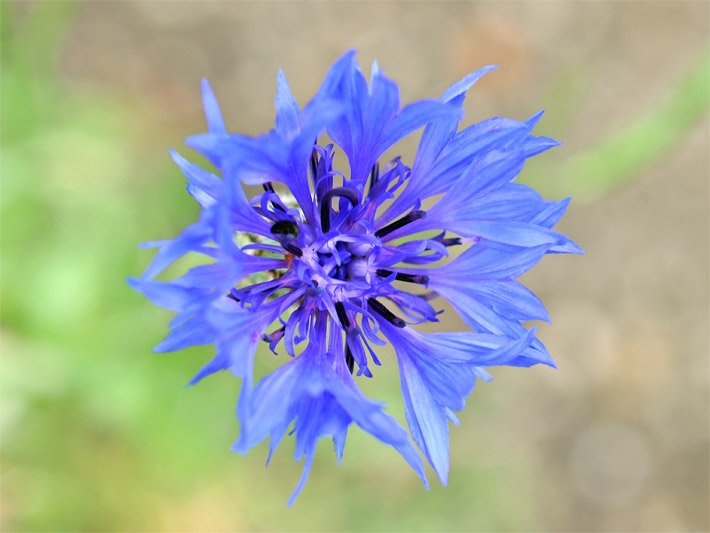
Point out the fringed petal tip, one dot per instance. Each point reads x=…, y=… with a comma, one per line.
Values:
x=304, y=477
x=213, y=114
x=240, y=447
x=464, y=84
x=534, y=119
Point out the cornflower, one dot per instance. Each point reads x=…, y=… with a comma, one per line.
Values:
x=333, y=263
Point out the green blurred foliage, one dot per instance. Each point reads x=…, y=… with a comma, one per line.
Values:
x=85, y=411
x=614, y=161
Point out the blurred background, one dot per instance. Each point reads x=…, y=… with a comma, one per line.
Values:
x=99, y=434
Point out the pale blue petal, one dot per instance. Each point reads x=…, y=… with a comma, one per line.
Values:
x=215, y=123
x=203, y=186
x=429, y=428
x=287, y=110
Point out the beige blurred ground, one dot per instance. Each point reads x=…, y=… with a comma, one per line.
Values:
x=617, y=438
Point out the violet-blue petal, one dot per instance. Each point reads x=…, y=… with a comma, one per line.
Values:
x=320, y=396
x=436, y=380
x=287, y=110
x=191, y=239
x=202, y=185
x=215, y=122
x=437, y=134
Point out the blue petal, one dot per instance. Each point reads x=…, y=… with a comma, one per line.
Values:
x=483, y=317
x=190, y=240
x=371, y=123
x=164, y=294
x=437, y=134
x=486, y=261
x=549, y=217
x=316, y=391
x=236, y=347
x=218, y=147
x=304, y=476
x=369, y=417
x=460, y=87
x=193, y=331
x=287, y=111
x=215, y=123
x=509, y=299
x=437, y=374
x=414, y=116
x=429, y=428
x=434, y=174
x=203, y=186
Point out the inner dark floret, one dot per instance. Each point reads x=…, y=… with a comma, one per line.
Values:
x=351, y=267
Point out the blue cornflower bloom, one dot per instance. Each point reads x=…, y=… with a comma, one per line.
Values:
x=332, y=263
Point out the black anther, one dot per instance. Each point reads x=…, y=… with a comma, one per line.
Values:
x=349, y=359
x=451, y=241
x=314, y=164
x=292, y=248
x=406, y=219
x=410, y=278
x=386, y=313
x=343, y=317
x=343, y=192
x=268, y=187
x=284, y=227
x=374, y=174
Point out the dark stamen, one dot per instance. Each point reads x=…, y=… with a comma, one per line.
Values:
x=451, y=241
x=314, y=164
x=268, y=187
x=345, y=322
x=407, y=219
x=343, y=192
x=292, y=248
x=349, y=359
x=410, y=278
x=374, y=174
x=343, y=317
x=385, y=313
x=230, y=295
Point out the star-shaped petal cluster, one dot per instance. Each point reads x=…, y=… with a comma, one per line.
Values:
x=331, y=262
